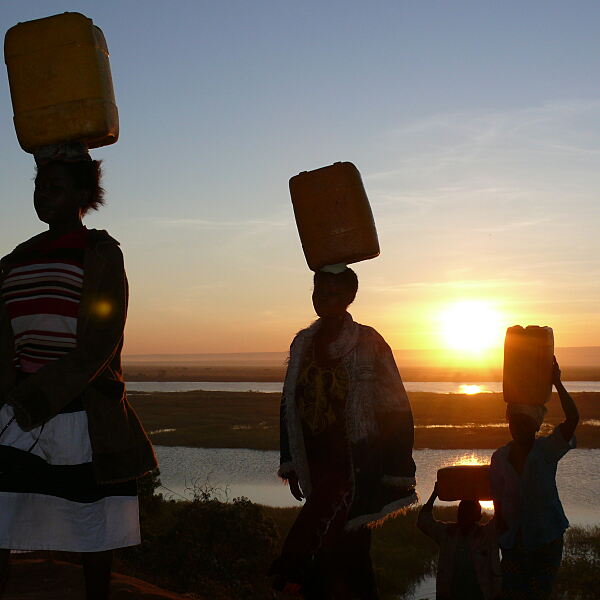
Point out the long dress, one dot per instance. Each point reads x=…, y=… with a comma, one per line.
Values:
x=318, y=553
x=56, y=505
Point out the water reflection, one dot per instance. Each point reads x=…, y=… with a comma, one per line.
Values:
x=462, y=426
x=434, y=387
x=251, y=473
x=470, y=389
x=473, y=459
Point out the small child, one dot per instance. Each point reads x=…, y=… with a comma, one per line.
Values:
x=469, y=561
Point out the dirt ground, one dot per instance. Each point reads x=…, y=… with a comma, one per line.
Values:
x=47, y=579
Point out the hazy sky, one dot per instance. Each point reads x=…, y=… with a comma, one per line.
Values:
x=475, y=125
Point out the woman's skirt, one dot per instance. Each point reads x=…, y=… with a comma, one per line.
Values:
x=57, y=504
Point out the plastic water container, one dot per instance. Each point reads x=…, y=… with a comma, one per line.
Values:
x=464, y=482
x=333, y=216
x=60, y=82
x=528, y=354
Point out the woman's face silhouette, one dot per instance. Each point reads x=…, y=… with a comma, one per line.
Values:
x=56, y=198
x=522, y=427
x=330, y=299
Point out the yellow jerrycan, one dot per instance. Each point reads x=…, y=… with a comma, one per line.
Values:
x=333, y=216
x=528, y=354
x=60, y=82
x=464, y=482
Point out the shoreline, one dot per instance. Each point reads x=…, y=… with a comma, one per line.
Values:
x=250, y=420
x=276, y=373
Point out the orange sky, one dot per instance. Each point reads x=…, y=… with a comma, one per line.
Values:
x=478, y=150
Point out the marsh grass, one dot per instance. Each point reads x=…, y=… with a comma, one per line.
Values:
x=251, y=419
x=579, y=575
x=222, y=550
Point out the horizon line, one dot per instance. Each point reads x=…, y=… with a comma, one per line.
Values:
x=286, y=351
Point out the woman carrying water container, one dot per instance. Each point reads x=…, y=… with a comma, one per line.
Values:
x=71, y=447
x=523, y=472
x=346, y=442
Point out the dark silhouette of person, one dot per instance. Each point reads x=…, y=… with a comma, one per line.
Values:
x=346, y=447
x=523, y=478
x=469, y=561
x=71, y=446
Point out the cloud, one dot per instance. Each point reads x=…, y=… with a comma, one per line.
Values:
x=228, y=225
x=470, y=284
x=516, y=225
x=463, y=140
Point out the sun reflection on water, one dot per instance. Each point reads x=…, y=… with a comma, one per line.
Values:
x=469, y=389
x=470, y=459
x=473, y=459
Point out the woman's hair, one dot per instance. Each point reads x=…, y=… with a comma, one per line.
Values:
x=347, y=279
x=87, y=175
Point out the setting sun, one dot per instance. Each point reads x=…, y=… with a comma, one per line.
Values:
x=472, y=326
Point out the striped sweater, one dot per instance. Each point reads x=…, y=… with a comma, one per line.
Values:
x=41, y=294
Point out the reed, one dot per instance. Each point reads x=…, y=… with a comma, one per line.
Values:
x=251, y=419
x=222, y=550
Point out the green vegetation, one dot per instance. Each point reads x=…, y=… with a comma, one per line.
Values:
x=213, y=549
x=251, y=419
x=578, y=575
x=204, y=547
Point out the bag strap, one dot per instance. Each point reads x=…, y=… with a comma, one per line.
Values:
x=6, y=427
x=36, y=440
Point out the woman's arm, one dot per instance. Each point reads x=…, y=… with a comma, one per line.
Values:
x=7, y=350
x=497, y=521
x=426, y=521
x=46, y=392
x=497, y=487
x=286, y=467
x=568, y=426
x=428, y=506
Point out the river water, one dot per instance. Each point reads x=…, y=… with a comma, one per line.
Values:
x=435, y=387
x=230, y=473
x=252, y=473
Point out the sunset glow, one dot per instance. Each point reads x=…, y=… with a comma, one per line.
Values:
x=471, y=326
x=471, y=459
x=219, y=268
x=469, y=389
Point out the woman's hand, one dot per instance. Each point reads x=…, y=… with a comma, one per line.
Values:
x=556, y=373
x=571, y=421
x=295, y=487
x=429, y=504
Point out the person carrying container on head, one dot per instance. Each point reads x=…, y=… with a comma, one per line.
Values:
x=523, y=480
x=71, y=446
x=346, y=446
x=469, y=561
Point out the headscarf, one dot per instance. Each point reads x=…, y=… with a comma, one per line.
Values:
x=63, y=152
x=536, y=411
x=335, y=269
